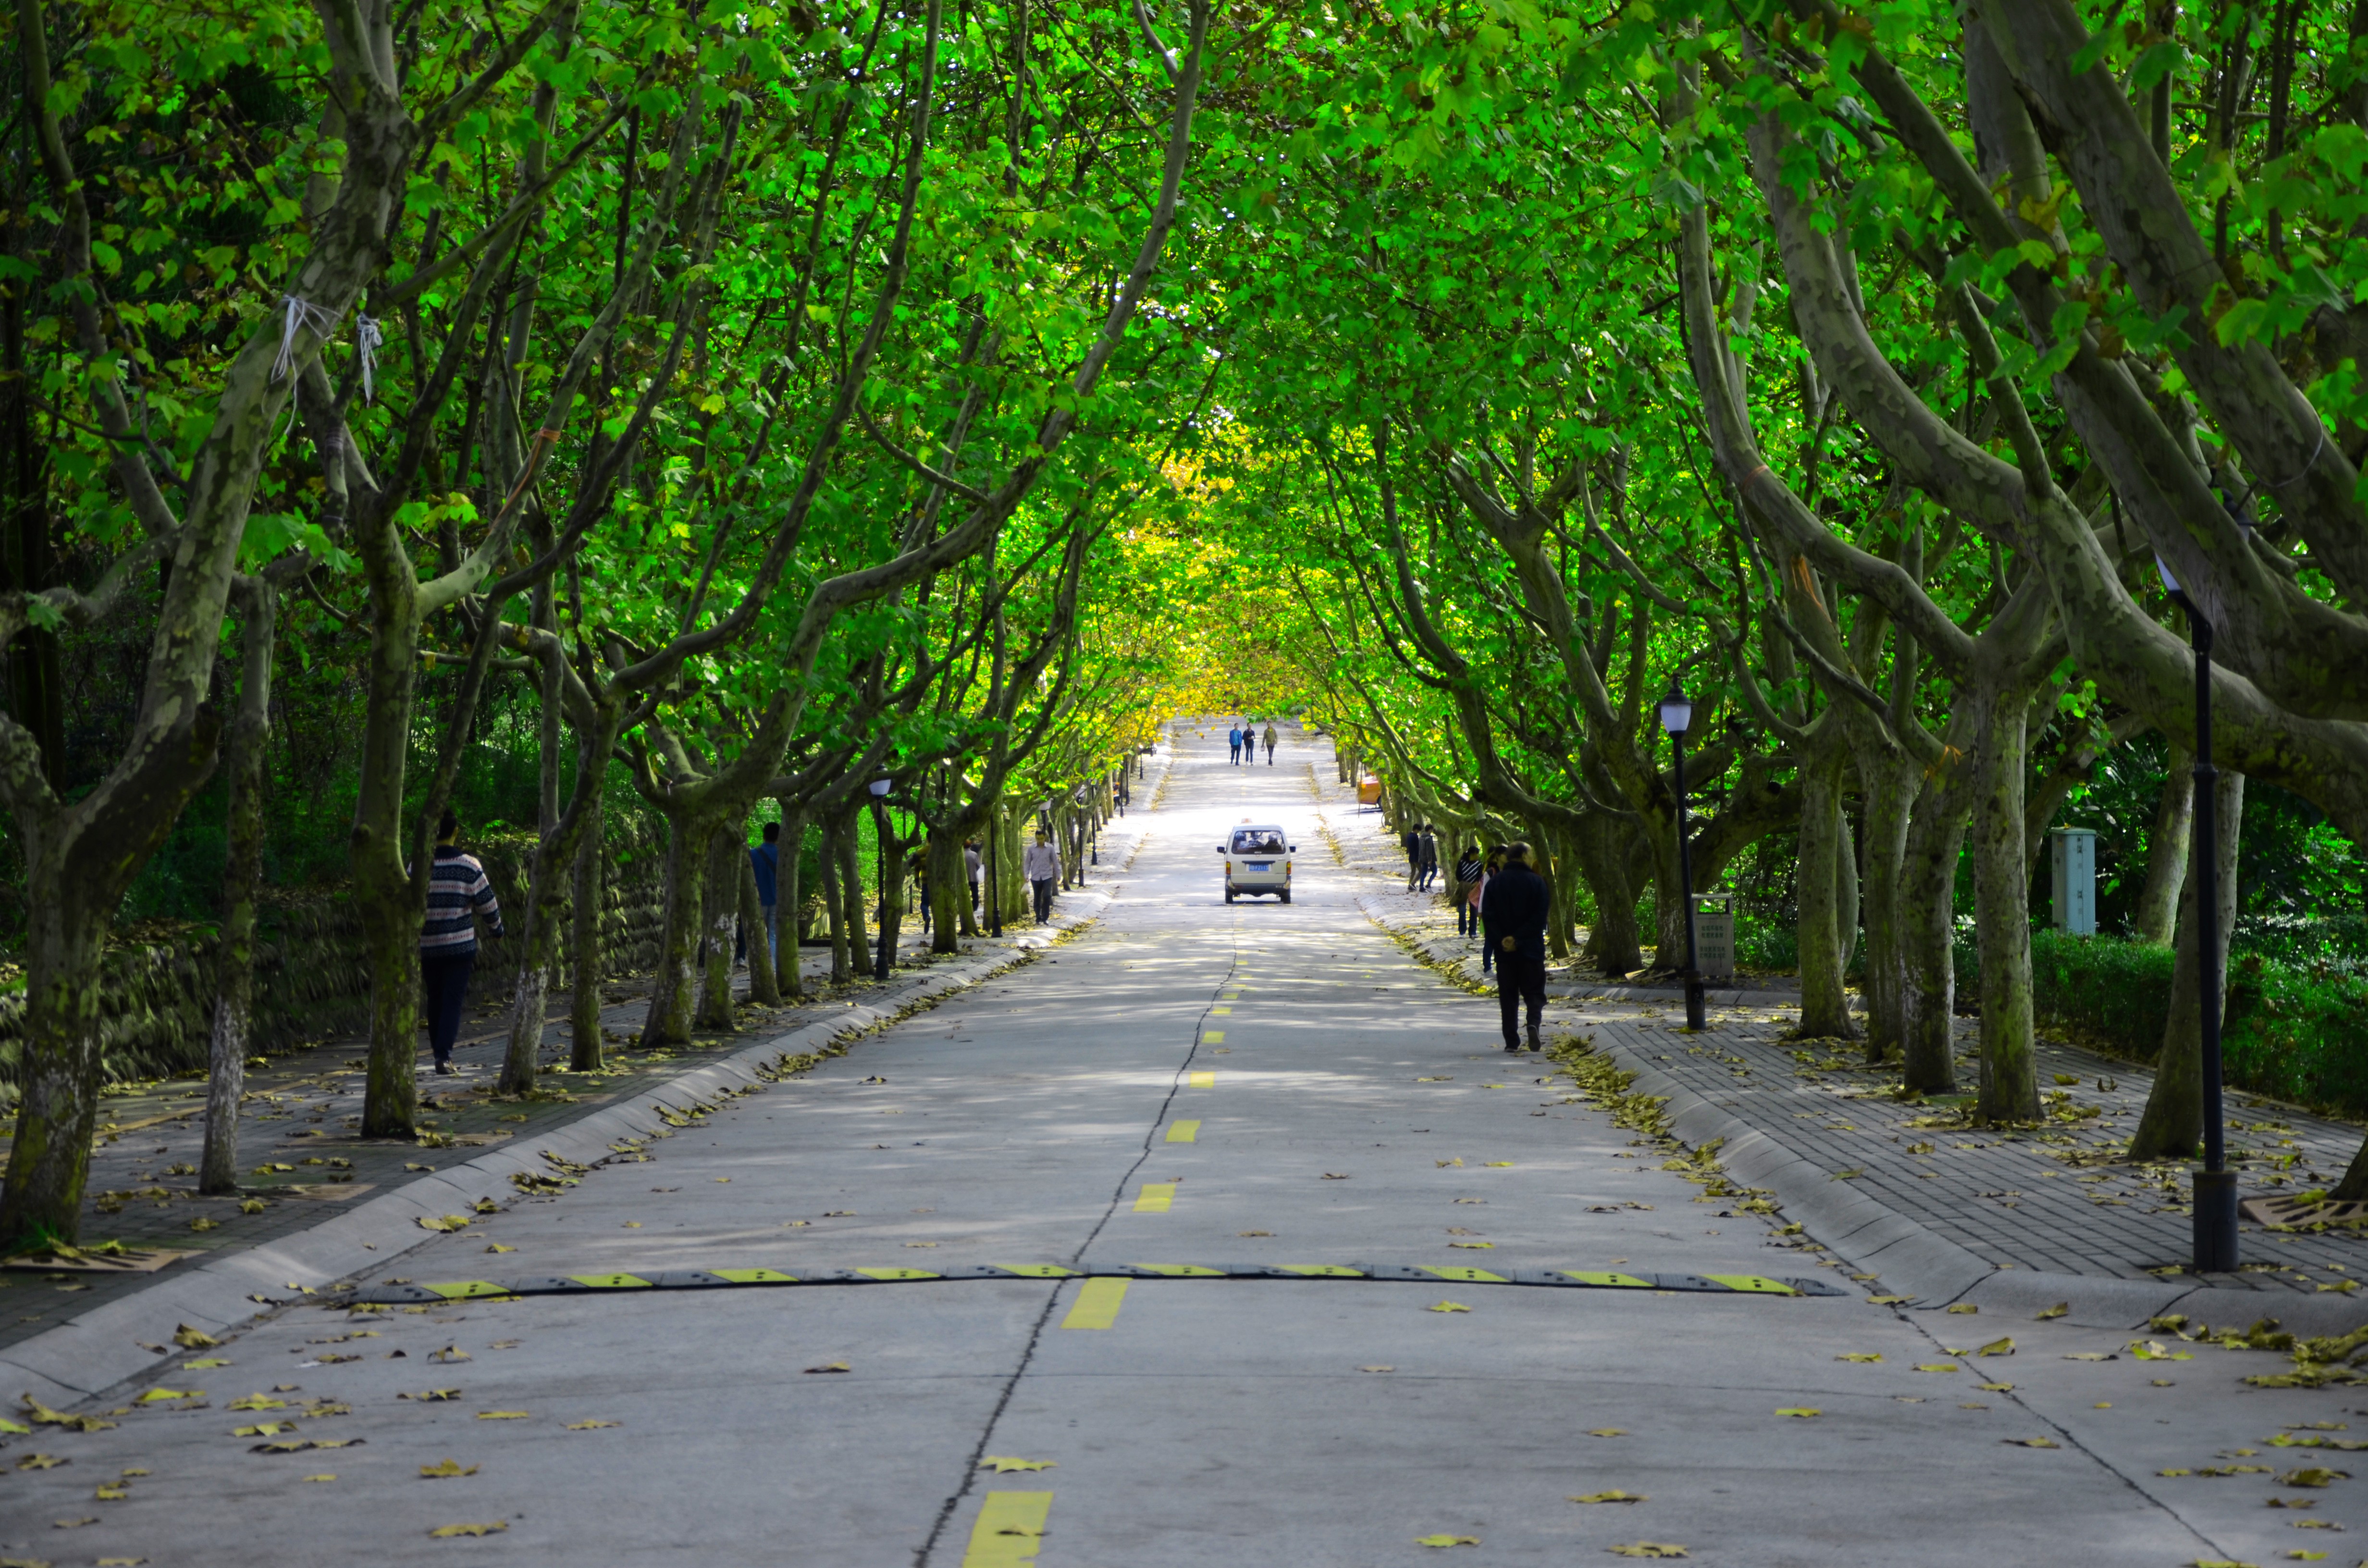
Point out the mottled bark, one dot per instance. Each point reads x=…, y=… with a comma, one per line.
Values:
x=725, y=858
x=764, y=984
x=1825, y=1005
x=2009, y=1065
x=948, y=891
x=586, y=1045
x=242, y=872
x=2174, y=820
x=788, y=977
x=834, y=902
x=2172, y=1124
x=669, y=1019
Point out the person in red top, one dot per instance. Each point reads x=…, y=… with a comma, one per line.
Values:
x=458, y=891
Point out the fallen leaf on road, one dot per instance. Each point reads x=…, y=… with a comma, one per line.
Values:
x=258, y=1402
x=1478, y=1246
x=1964, y=1308
x=431, y=1393
x=1885, y=1301
x=41, y=1462
x=2058, y=1311
x=413, y=1165
x=1996, y=1347
x=320, y=1478
x=111, y=1494
x=160, y=1396
x=1614, y=1496
x=1800, y=1413
x=2092, y=1355
x=2313, y=1476
x=1605, y=1432
x=588, y=1425
x=447, y=1531
x=839, y=1214
x=449, y=1353
x=1447, y=1540
x=449, y=1223
x=1647, y=1549
x=1859, y=1355
x=1939, y=1367
x=1335, y=1176
x=1377, y=1369
x=1004, y=1464
x=1448, y=1307
x=2033, y=1442
x=1837, y=1175
x=264, y=1429
x=2273, y=1501
x=1444, y=1163
x=829, y=1366
x=73, y=1524
x=633, y=1224
x=205, y=1365
x=1444, y=1077
x=2009, y=1388
x=1496, y=1164
x=445, y=1471
x=501, y=1416
x=497, y=1246
x=190, y=1338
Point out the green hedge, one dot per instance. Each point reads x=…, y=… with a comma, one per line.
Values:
x=2296, y=1034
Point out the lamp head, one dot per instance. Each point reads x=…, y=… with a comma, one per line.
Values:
x=2169, y=583
x=1677, y=711
x=881, y=786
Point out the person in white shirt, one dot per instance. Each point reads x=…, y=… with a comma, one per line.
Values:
x=1042, y=866
x=977, y=870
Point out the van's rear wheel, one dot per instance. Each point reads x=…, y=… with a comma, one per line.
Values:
x=1229, y=895
x=1284, y=896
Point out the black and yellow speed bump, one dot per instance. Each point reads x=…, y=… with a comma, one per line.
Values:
x=409, y=1293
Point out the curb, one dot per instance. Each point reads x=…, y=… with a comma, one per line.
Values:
x=1914, y=1260
x=102, y=1348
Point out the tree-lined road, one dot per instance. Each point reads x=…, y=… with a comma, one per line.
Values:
x=1189, y=1083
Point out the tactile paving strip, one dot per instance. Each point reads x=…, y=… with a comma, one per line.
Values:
x=409, y=1293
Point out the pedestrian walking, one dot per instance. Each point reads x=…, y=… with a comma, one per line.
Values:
x=1234, y=741
x=976, y=868
x=1411, y=842
x=1429, y=851
x=1467, y=891
x=457, y=892
x=1270, y=739
x=1514, y=909
x=1488, y=869
x=1041, y=863
x=765, y=860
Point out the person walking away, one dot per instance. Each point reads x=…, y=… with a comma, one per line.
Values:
x=1429, y=856
x=1042, y=866
x=457, y=892
x=1489, y=868
x=1467, y=891
x=765, y=860
x=976, y=868
x=1411, y=842
x=1515, y=911
x=1270, y=739
x=1233, y=744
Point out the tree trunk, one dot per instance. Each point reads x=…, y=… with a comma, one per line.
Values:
x=833, y=902
x=668, y=1021
x=381, y=881
x=50, y=1159
x=787, y=978
x=2009, y=1065
x=2174, y=820
x=242, y=871
x=588, y=1046
x=764, y=985
x=726, y=857
x=2172, y=1124
x=1887, y=787
x=948, y=891
x=1825, y=1005
x=850, y=883
x=1613, y=942
x=1928, y=969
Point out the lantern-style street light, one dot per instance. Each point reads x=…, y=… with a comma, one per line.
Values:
x=1676, y=717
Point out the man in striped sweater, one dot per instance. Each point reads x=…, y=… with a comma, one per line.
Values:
x=457, y=889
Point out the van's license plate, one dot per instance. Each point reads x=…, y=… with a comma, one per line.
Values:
x=1261, y=865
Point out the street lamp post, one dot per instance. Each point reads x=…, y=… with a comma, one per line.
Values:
x=993, y=866
x=880, y=788
x=2216, y=1184
x=1676, y=716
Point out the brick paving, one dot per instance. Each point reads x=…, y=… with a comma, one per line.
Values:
x=2060, y=1199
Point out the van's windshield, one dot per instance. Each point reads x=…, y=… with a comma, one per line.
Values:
x=1257, y=841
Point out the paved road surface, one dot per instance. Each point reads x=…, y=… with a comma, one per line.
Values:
x=1355, y=1111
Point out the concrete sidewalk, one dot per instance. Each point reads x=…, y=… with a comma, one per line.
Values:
x=1905, y=1194
x=329, y=1203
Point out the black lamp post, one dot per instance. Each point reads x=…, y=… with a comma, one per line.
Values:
x=1676, y=715
x=2216, y=1184
x=880, y=788
x=993, y=864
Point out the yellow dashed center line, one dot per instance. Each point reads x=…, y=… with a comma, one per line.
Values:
x=1155, y=1197
x=1212, y=1037
x=1202, y=1080
x=1098, y=1305
x=1010, y=1526
x=1184, y=1132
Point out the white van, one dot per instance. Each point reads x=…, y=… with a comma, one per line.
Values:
x=1258, y=861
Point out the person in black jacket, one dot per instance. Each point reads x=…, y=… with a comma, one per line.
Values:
x=1513, y=910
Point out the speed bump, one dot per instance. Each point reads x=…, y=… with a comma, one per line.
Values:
x=1385, y=1273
